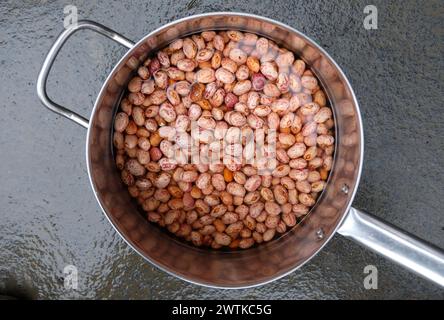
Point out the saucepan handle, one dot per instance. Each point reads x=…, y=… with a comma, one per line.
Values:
x=405, y=249
x=52, y=54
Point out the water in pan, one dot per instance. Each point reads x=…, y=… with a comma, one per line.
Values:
x=211, y=82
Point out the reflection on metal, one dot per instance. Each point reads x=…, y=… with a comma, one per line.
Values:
x=320, y=234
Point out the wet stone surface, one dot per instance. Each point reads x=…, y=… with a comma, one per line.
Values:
x=50, y=219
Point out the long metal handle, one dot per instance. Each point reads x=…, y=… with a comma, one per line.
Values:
x=395, y=244
x=52, y=54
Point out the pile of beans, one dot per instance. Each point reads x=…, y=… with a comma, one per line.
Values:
x=226, y=82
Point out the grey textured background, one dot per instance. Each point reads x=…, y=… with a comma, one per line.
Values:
x=48, y=215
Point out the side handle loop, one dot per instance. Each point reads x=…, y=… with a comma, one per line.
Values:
x=52, y=54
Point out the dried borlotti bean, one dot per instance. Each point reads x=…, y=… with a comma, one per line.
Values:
x=230, y=86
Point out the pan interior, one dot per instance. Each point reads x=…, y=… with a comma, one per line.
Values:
x=233, y=269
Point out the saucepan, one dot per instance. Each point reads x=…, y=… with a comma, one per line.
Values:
x=267, y=262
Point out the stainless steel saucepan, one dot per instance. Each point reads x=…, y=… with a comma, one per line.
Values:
x=267, y=262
